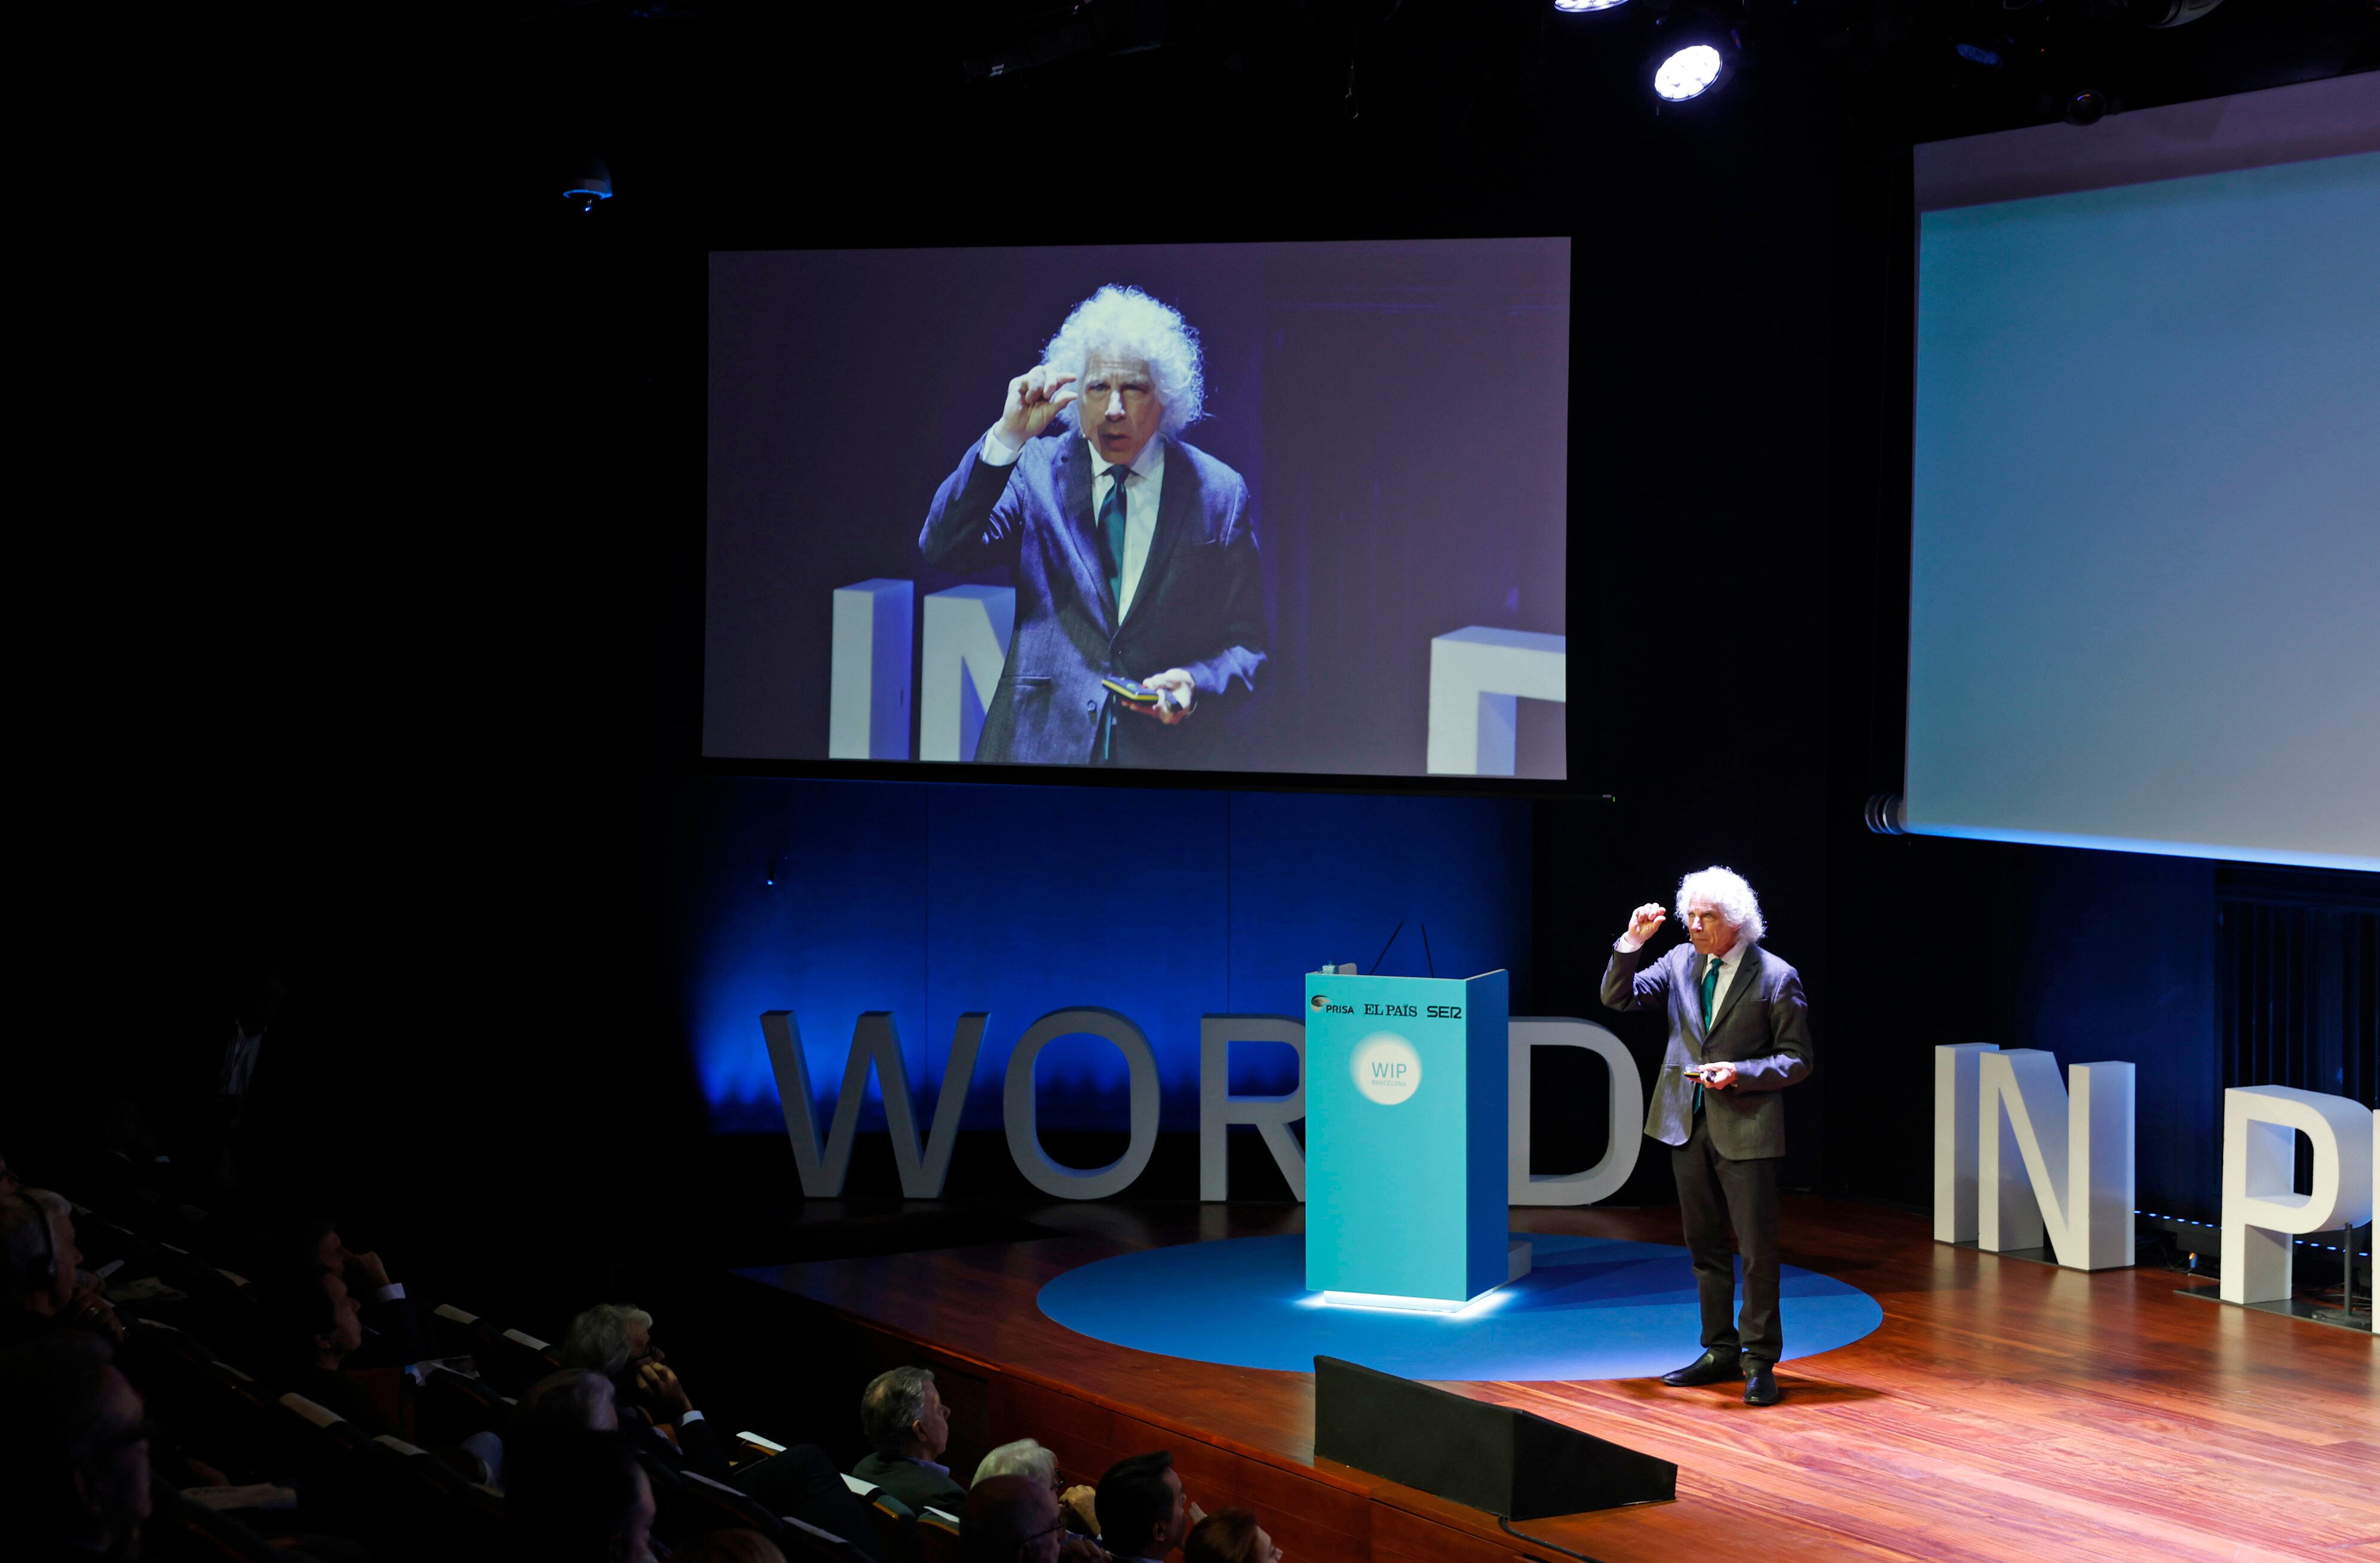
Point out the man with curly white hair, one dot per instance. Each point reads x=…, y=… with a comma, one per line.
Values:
x=1139, y=599
x=1739, y=1034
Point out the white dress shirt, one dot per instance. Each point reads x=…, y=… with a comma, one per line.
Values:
x=1728, y=964
x=1144, y=486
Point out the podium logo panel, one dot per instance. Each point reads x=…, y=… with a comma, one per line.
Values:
x=1385, y=1067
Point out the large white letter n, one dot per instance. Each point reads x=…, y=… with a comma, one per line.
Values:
x=874, y=1039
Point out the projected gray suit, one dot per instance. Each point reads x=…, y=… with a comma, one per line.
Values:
x=1200, y=607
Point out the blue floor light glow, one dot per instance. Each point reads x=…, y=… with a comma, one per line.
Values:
x=1591, y=1308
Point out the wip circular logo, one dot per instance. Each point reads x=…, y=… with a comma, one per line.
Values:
x=1320, y=1002
x=1386, y=1068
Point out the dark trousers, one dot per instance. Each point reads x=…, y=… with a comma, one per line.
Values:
x=1714, y=1194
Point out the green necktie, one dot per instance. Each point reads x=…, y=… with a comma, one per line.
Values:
x=1111, y=543
x=1112, y=535
x=1710, y=992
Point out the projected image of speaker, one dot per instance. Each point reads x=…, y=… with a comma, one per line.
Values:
x=1492, y=1458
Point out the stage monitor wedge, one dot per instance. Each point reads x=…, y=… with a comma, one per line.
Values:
x=1492, y=1458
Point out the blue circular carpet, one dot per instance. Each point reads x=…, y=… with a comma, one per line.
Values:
x=1590, y=1308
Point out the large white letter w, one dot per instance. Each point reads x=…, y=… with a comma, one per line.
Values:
x=873, y=1038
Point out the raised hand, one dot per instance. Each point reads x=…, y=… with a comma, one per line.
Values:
x=662, y=1393
x=1034, y=398
x=1645, y=921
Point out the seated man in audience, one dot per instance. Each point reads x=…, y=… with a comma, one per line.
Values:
x=1027, y=1457
x=1230, y=1535
x=902, y=1414
x=393, y=1335
x=1144, y=1513
x=579, y=1497
x=39, y=1288
x=575, y=1400
x=74, y=1450
x=1012, y=1519
x=616, y=1340
x=310, y=1325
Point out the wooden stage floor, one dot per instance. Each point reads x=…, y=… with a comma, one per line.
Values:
x=2005, y=1409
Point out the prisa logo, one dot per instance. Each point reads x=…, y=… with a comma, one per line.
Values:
x=1328, y=1008
x=1385, y=1067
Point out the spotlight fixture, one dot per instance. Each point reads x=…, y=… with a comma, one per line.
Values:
x=1578, y=5
x=2085, y=106
x=588, y=186
x=1886, y=813
x=1692, y=53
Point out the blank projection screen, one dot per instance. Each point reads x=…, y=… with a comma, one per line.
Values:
x=2144, y=598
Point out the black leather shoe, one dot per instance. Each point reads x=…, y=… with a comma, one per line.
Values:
x=1760, y=1383
x=1711, y=1367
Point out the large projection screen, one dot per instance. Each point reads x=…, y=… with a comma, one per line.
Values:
x=2144, y=598
x=1354, y=555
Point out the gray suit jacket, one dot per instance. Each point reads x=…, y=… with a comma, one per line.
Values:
x=1200, y=607
x=1763, y=1028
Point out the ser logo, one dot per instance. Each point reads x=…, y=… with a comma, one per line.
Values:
x=1386, y=1068
x=1325, y=1006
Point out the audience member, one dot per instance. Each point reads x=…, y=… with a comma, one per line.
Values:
x=575, y=1400
x=577, y=1498
x=8, y=1184
x=393, y=1335
x=310, y=1325
x=74, y=1450
x=902, y=1414
x=1143, y=1511
x=1230, y=1535
x=1027, y=1457
x=616, y=1340
x=729, y=1547
x=39, y=1288
x=615, y=1343
x=1012, y=1519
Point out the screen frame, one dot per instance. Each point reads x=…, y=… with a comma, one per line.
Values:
x=695, y=761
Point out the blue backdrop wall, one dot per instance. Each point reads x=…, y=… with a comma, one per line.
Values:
x=930, y=899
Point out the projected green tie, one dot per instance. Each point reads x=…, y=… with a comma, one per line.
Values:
x=1111, y=545
x=1111, y=536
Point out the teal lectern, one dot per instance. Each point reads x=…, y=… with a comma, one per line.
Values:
x=1406, y=1104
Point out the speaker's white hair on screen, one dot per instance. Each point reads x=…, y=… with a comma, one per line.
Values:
x=1725, y=892
x=1127, y=322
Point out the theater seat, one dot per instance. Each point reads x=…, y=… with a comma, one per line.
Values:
x=182, y=1531
x=813, y=1545
x=429, y=1508
x=896, y=1528
x=453, y=1406
x=699, y=1505
x=938, y=1537
x=510, y=1359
